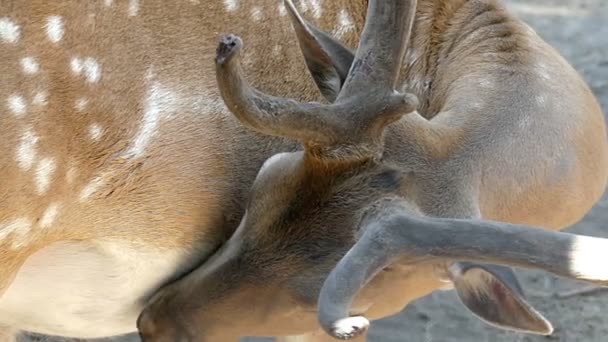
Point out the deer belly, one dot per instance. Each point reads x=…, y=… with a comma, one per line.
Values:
x=85, y=290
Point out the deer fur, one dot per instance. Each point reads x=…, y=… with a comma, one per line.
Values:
x=124, y=170
x=484, y=131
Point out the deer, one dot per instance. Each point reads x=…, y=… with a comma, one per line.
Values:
x=447, y=114
x=145, y=188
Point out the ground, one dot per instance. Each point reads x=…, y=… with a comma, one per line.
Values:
x=579, y=30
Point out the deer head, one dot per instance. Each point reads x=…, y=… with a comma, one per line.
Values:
x=337, y=200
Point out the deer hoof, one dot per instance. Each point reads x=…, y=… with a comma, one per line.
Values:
x=348, y=328
x=228, y=46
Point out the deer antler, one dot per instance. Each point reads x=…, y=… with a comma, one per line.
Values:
x=394, y=234
x=366, y=104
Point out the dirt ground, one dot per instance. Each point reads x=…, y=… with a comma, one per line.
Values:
x=579, y=30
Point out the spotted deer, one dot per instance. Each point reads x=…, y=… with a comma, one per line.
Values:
x=131, y=181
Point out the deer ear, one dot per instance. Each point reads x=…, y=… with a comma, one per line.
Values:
x=327, y=59
x=494, y=294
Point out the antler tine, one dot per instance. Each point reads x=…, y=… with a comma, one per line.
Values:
x=353, y=124
x=394, y=234
x=381, y=49
x=264, y=113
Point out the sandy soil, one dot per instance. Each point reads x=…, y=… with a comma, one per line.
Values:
x=579, y=30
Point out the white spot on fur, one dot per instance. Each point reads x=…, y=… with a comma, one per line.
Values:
x=95, y=132
x=303, y=5
x=54, y=28
x=44, y=172
x=108, y=3
x=256, y=13
x=282, y=9
x=159, y=102
x=17, y=105
x=26, y=151
x=71, y=174
x=92, y=70
x=91, y=188
x=40, y=98
x=276, y=50
x=49, y=216
x=486, y=83
x=588, y=257
x=477, y=105
x=542, y=70
x=81, y=104
x=541, y=99
x=345, y=24
x=9, y=31
x=30, y=65
x=88, y=66
x=316, y=8
x=76, y=65
x=18, y=228
x=133, y=8
x=231, y=5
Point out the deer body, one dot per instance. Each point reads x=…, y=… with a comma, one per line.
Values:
x=124, y=170
x=109, y=106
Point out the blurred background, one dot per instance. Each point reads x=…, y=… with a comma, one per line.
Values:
x=579, y=30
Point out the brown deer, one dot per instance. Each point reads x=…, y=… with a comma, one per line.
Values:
x=488, y=128
x=123, y=169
